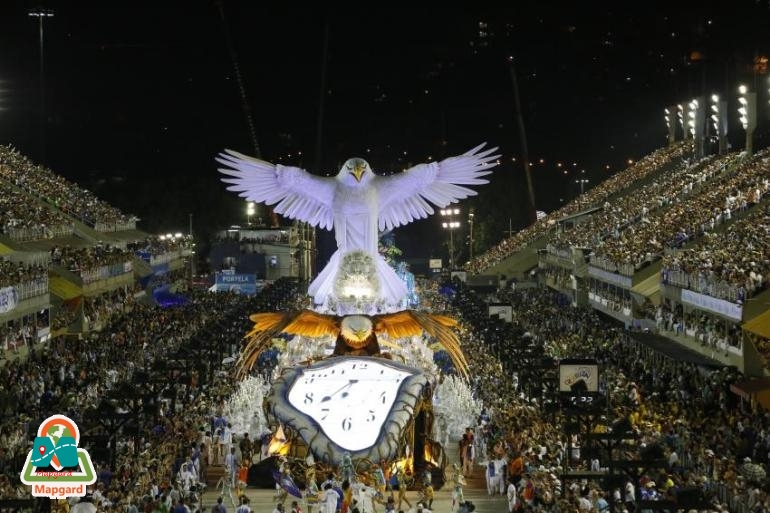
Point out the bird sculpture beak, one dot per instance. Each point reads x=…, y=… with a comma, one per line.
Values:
x=358, y=172
x=361, y=334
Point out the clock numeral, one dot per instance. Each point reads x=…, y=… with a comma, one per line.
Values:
x=383, y=398
x=371, y=416
x=324, y=413
x=347, y=423
x=309, y=398
x=363, y=365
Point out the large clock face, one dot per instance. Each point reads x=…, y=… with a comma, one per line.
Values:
x=349, y=400
x=358, y=404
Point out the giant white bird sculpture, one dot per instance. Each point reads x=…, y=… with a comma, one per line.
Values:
x=356, y=204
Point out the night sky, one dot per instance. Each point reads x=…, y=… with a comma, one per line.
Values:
x=140, y=100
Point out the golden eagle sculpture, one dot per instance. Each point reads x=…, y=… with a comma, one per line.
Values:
x=355, y=334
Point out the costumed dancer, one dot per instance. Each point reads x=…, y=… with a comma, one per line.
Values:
x=380, y=484
x=330, y=499
x=402, y=486
x=458, y=481
x=512, y=495
x=311, y=490
x=346, y=468
x=495, y=478
x=427, y=489
x=283, y=470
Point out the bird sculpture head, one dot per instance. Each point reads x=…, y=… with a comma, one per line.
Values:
x=355, y=171
x=356, y=330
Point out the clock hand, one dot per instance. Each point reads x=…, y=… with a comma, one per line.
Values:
x=349, y=384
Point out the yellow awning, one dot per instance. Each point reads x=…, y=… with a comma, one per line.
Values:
x=648, y=286
x=63, y=288
x=5, y=250
x=759, y=325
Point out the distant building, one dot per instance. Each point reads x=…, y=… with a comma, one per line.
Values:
x=267, y=253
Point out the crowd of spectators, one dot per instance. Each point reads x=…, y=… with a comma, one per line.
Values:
x=75, y=376
x=66, y=196
x=99, y=310
x=160, y=244
x=23, y=220
x=733, y=265
x=89, y=261
x=29, y=279
x=688, y=218
x=707, y=436
x=594, y=197
x=14, y=274
x=616, y=232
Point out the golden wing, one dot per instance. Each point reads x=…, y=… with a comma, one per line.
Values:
x=269, y=325
x=408, y=323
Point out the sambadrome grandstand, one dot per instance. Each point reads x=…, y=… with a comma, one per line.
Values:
x=660, y=274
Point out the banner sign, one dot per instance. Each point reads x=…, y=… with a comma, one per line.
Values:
x=503, y=311
x=9, y=298
x=613, y=278
x=238, y=283
x=712, y=304
x=578, y=375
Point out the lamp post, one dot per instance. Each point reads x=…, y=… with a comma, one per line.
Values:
x=582, y=182
x=41, y=14
x=470, y=234
x=450, y=224
x=748, y=111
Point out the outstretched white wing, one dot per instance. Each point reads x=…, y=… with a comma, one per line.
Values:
x=295, y=193
x=407, y=196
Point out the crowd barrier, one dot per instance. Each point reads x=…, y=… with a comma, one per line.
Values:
x=38, y=232
x=697, y=282
x=167, y=257
x=625, y=269
x=105, y=271
x=32, y=288
x=115, y=227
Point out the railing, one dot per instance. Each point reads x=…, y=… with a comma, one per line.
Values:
x=105, y=271
x=698, y=282
x=38, y=232
x=120, y=226
x=32, y=288
x=169, y=256
x=625, y=269
x=565, y=253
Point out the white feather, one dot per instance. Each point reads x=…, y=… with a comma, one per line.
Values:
x=296, y=193
x=404, y=197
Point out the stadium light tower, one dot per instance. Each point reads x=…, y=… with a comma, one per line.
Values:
x=451, y=224
x=670, y=123
x=41, y=14
x=680, y=118
x=747, y=109
x=719, y=121
x=695, y=124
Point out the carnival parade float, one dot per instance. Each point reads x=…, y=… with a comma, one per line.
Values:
x=356, y=387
